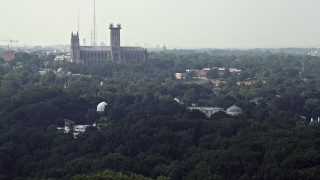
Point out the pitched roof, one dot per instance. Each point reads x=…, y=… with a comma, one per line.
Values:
x=131, y=48
x=108, y=48
x=95, y=48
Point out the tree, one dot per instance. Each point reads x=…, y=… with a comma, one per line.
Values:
x=213, y=73
x=226, y=73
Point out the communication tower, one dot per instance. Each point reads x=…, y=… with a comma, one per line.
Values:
x=94, y=40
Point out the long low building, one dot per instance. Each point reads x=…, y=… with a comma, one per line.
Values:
x=208, y=111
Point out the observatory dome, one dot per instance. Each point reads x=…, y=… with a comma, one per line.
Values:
x=234, y=110
x=60, y=70
x=101, y=106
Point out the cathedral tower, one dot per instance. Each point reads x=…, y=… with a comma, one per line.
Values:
x=115, y=41
x=115, y=35
x=75, y=48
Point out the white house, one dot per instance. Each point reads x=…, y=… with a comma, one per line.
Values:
x=77, y=129
x=180, y=76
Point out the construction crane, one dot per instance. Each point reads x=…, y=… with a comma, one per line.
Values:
x=10, y=41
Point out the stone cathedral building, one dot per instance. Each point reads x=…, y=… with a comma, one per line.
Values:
x=99, y=54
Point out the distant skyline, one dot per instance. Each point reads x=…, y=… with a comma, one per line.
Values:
x=175, y=23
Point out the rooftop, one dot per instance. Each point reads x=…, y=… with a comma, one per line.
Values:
x=108, y=48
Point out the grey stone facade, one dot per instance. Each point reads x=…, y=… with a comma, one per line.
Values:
x=99, y=54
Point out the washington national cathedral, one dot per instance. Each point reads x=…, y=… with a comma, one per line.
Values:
x=99, y=54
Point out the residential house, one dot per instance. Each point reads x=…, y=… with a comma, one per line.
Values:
x=180, y=76
x=247, y=82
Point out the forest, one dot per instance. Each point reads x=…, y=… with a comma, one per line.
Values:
x=145, y=134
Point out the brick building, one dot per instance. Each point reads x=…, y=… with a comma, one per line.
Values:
x=9, y=55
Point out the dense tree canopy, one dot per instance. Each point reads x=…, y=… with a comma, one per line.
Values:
x=145, y=134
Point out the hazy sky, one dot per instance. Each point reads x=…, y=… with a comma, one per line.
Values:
x=184, y=23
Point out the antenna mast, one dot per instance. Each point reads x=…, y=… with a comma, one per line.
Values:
x=91, y=38
x=94, y=24
x=78, y=21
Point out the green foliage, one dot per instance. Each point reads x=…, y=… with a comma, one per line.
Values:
x=144, y=131
x=109, y=175
x=213, y=74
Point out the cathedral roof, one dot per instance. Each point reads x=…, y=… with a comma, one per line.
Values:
x=131, y=48
x=108, y=48
x=95, y=48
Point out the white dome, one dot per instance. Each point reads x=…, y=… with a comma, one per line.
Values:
x=60, y=70
x=101, y=106
x=234, y=110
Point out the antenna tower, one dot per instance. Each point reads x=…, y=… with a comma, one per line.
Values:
x=78, y=21
x=91, y=38
x=94, y=24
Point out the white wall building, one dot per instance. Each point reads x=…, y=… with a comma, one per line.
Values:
x=208, y=111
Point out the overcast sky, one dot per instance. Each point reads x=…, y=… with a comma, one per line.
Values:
x=184, y=23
